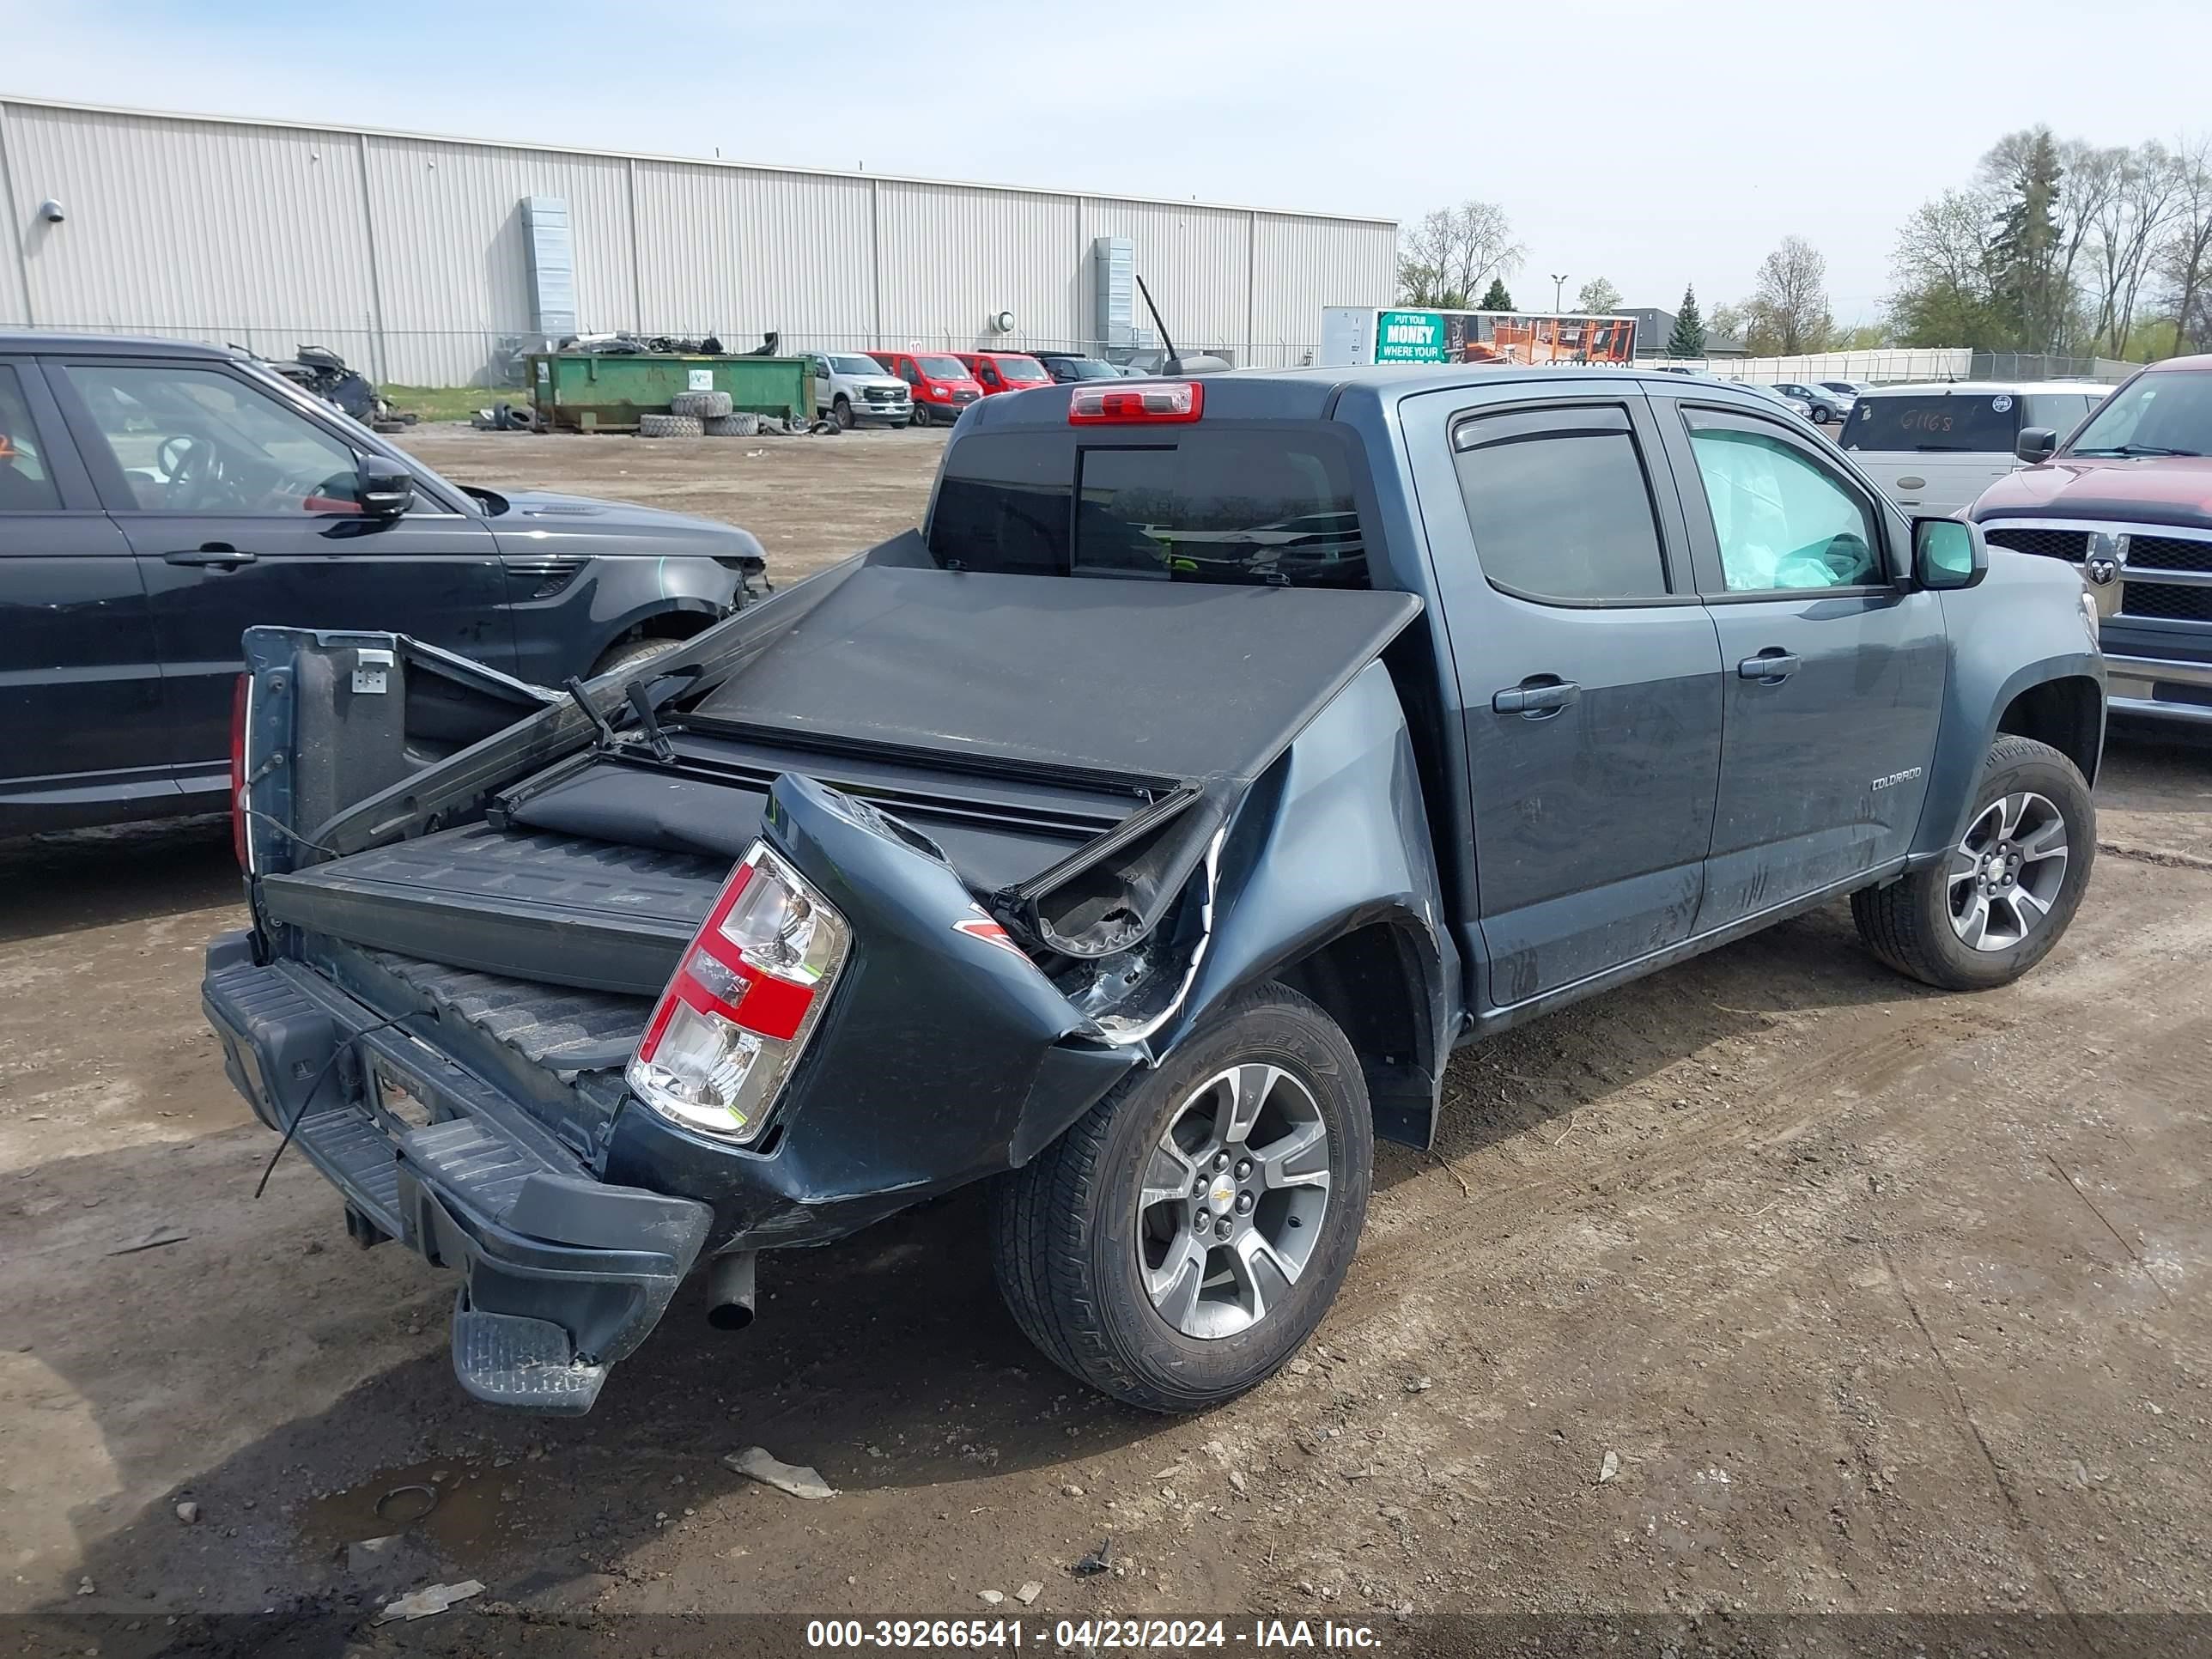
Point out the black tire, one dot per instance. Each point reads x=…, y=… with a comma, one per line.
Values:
x=671, y=426
x=1908, y=923
x=1065, y=1228
x=921, y=416
x=841, y=412
x=700, y=405
x=633, y=653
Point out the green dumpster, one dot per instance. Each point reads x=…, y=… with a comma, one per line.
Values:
x=588, y=391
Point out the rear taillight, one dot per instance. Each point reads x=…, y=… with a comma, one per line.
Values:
x=238, y=698
x=1162, y=403
x=732, y=1022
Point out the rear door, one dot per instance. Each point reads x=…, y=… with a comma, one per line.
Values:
x=1589, y=672
x=1833, y=672
x=238, y=506
x=79, y=680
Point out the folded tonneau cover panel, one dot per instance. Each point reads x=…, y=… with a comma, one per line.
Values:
x=556, y=909
x=1171, y=680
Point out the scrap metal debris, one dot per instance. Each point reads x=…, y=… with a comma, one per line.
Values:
x=1099, y=1560
x=796, y=1479
x=432, y=1598
x=152, y=1241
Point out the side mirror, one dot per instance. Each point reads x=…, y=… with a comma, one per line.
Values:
x=2035, y=443
x=1948, y=553
x=385, y=486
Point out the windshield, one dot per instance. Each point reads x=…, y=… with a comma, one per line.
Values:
x=1969, y=422
x=2168, y=414
x=1089, y=368
x=854, y=366
x=942, y=368
x=1022, y=371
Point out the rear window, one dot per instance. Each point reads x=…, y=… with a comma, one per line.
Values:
x=1203, y=505
x=1977, y=422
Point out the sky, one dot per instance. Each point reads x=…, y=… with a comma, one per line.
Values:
x=1654, y=144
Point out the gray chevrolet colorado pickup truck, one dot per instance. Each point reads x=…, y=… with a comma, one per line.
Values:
x=1140, y=837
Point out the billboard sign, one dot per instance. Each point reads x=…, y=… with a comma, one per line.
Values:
x=1492, y=336
x=1409, y=336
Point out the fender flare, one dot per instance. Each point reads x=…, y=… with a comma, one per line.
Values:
x=1956, y=773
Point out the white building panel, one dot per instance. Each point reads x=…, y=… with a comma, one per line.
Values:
x=453, y=256
x=1196, y=261
x=410, y=254
x=1306, y=265
x=201, y=229
x=952, y=257
x=738, y=252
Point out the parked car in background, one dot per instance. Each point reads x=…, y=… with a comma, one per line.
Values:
x=1796, y=406
x=1115, y=840
x=2128, y=501
x=1934, y=448
x=1847, y=389
x=158, y=498
x=1828, y=406
x=938, y=383
x=1069, y=367
x=1004, y=371
x=855, y=390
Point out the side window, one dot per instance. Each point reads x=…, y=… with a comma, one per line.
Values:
x=1560, y=505
x=193, y=439
x=1782, y=522
x=26, y=485
x=906, y=371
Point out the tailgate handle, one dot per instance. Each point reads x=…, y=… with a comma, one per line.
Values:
x=1771, y=666
x=1535, y=698
x=220, y=555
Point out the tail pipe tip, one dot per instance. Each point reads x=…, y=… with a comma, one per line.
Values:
x=730, y=1290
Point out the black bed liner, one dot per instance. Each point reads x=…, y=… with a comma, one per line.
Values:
x=553, y=908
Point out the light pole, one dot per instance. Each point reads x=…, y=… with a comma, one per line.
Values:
x=1558, y=284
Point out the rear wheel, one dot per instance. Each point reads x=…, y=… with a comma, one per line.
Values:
x=1997, y=903
x=1177, y=1244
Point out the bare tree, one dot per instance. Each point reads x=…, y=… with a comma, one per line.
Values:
x=2185, y=260
x=1940, y=271
x=1790, y=304
x=1445, y=260
x=2131, y=223
x=1599, y=297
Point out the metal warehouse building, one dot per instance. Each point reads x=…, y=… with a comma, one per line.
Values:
x=433, y=261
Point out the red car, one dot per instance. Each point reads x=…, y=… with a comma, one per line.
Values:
x=1005, y=371
x=941, y=385
x=2127, y=500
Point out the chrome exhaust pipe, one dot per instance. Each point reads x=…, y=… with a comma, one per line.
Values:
x=730, y=1290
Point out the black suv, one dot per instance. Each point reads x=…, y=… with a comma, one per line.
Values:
x=157, y=499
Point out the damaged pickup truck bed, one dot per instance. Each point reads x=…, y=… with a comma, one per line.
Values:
x=1140, y=836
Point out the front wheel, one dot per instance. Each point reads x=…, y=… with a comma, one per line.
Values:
x=1996, y=903
x=841, y=412
x=1177, y=1244
x=921, y=416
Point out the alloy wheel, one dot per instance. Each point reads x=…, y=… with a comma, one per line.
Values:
x=2007, y=871
x=1233, y=1197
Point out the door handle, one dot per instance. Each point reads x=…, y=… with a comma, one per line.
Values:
x=1534, y=699
x=1771, y=666
x=220, y=555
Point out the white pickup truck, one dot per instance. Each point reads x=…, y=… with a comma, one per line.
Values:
x=1934, y=448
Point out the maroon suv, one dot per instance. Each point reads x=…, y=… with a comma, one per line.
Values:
x=2128, y=501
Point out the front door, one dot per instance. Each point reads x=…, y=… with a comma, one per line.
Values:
x=1589, y=681
x=1833, y=671
x=81, y=735
x=240, y=509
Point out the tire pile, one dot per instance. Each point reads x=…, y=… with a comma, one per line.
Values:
x=708, y=415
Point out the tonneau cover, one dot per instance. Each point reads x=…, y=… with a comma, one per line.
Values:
x=1186, y=682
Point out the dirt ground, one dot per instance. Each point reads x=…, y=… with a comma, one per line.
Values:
x=1772, y=1284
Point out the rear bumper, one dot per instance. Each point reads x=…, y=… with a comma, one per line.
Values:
x=562, y=1274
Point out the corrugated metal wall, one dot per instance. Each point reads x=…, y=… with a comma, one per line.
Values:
x=410, y=254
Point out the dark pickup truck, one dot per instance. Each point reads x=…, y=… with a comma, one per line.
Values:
x=1140, y=836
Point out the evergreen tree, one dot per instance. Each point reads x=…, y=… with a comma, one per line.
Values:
x=2027, y=285
x=1688, y=339
x=1495, y=298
